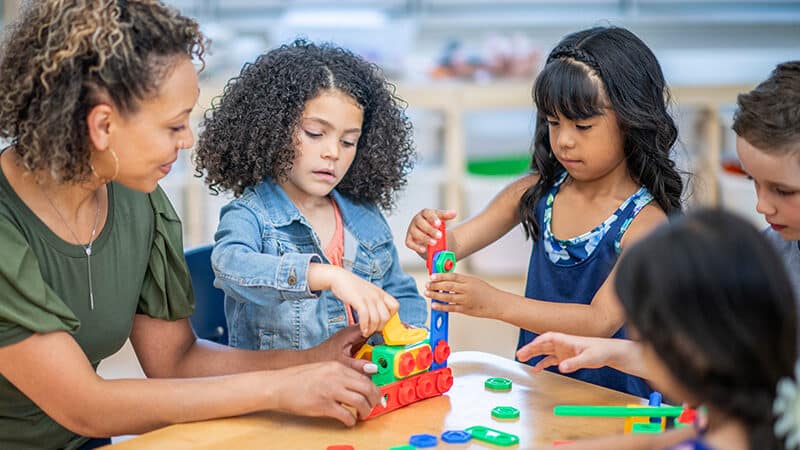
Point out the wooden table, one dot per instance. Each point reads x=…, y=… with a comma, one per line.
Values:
x=467, y=404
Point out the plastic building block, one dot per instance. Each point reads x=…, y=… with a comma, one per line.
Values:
x=397, y=333
x=413, y=389
x=440, y=245
x=365, y=352
x=497, y=384
x=617, y=411
x=444, y=261
x=423, y=440
x=403, y=447
x=396, y=363
x=411, y=368
x=456, y=436
x=655, y=400
x=646, y=427
x=505, y=412
x=492, y=436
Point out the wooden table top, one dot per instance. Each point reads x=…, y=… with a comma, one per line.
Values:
x=468, y=403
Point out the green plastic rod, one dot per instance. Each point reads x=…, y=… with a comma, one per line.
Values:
x=618, y=411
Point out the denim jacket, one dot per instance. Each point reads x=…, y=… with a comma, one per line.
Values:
x=261, y=256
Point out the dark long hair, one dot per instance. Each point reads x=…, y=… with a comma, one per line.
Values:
x=633, y=84
x=721, y=316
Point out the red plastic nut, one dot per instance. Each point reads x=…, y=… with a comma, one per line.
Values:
x=406, y=364
x=407, y=393
x=442, y=352
x=444, y=381
x=424, y=358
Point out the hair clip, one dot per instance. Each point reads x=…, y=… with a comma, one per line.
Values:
x=787, y=409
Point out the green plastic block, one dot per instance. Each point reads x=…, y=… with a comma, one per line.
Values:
x=384, y=357
x=492, y=436
x=646, y=428
x=403, y=447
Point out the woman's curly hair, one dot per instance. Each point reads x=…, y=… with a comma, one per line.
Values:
x=250, y=131
x=61, y=56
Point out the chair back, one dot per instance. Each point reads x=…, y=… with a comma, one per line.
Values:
x=208, y=320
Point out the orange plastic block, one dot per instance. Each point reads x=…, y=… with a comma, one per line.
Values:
x=397, y=333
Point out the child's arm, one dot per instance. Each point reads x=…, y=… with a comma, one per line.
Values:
x=247, y=270
x=571, y=353
x=658, y=441
x=497, y=219
x=602, y=317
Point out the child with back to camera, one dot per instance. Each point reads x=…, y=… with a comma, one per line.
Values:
x=602, y=179
x=312, y=142
x=710, y=305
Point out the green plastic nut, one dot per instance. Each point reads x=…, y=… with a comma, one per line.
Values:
x=445, y=262
x=498, y=384
x=505, y=412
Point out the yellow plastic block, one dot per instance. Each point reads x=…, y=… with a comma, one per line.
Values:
x=396, y=333
x=365, y=352
x=414, y=352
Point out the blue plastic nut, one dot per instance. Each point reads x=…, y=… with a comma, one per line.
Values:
x=456, y=436
x=423, y=440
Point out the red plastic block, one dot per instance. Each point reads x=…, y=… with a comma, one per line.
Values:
x=414, y=389
x=440, y=245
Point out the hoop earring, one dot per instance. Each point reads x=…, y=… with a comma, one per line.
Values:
x=116, y=168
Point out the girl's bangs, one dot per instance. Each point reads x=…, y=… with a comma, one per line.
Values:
x=566, y=88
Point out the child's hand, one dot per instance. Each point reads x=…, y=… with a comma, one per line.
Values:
x=423, y=229
x=463, y=294
x=567, y=351
x=372, y=304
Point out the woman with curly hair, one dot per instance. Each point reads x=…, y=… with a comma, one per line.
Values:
x=312, y=141
x=95, y=97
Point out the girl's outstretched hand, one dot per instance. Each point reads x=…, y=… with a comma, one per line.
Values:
x=569, y=352
x=423, y=229
x=463, y=294
x=372, y=304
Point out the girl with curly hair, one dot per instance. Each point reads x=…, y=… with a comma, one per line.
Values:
x=602, y=178
x=95, y=97
x=312, y=141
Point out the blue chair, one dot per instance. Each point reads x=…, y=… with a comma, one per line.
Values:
x=208, y=320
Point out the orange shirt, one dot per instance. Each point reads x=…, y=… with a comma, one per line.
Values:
x=334, y=251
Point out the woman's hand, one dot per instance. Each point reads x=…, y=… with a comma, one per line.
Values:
x=341, y=347
x=464, y=294
x=327, y=389
x=424, y=229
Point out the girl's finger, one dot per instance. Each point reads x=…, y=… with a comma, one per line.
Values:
x=546, y=362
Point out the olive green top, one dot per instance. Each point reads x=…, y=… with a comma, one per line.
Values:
x=137, y=267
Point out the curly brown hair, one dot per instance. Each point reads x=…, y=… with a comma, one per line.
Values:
x=249, y=132
x=768, y=117
x=61, y=56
